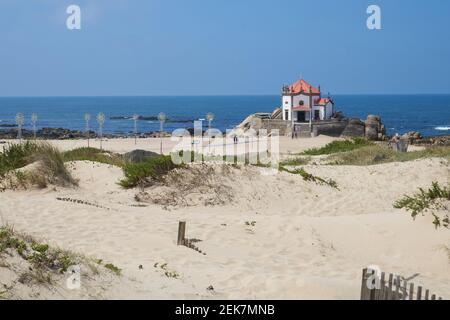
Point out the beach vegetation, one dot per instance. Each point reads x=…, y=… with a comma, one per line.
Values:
x=95, y=155
x=339, y=146
x=296, y=161
x=41, y=263
x=114, y=269
x=16, y=156
x=49, y=169
x=147, y=172
x=310, y=177
x=40, y=255
x=430, y=200
x=377, y=154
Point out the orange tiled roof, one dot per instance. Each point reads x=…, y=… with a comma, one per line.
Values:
x=303, y=86
x=322, y=101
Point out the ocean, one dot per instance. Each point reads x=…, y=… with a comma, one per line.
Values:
x=428, y=114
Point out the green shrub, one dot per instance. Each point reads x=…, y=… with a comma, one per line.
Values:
x=151, y=170
x=425, y=200
x=339, y=146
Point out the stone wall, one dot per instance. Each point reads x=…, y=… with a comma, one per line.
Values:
x=372, y=128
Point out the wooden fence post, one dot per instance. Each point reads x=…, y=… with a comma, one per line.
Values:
x=380, y=292
x=364, y=288
x=390, y=288
x=419, y=293
x=411, y=291
x=181, y=233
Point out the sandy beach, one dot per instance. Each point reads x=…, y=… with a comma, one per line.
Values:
x=275, y=236
x=123, y=145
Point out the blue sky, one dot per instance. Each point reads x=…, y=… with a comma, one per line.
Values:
x=215, y=47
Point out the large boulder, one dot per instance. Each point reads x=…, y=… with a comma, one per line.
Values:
x=371, y=131
x=355, y=128
x=136, y=156
x=332, y=129
x=373, y=119
x=374, y=129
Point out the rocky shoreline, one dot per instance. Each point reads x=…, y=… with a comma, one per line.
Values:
x=371, y=128
x=65, y=134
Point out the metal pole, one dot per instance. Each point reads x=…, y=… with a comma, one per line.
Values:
x=160, y=136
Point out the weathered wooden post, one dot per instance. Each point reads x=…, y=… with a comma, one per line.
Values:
x=181, y=233
x=419, y=293
x=411, y=291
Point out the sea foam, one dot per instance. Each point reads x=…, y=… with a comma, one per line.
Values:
x=443, y=128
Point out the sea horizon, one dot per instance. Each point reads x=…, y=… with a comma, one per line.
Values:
x=399, y=112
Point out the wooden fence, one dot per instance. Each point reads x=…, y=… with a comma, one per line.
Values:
x=390, y=287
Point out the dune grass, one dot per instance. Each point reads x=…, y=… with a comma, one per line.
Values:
x=310, y=177
x=426, y=200
x=377, y=154
x=50, y=166
x=93, y=154
x=296, y=161
x=147, y=172
x=16, y=156
x=339, y=146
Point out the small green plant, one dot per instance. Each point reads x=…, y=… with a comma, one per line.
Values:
x=426, y=200
x=113, y=268
x=310, y=177
x=41, y=248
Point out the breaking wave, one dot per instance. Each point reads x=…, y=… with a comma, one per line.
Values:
x=443, y=128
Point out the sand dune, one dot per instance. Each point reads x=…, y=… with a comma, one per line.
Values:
x=278, y=236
